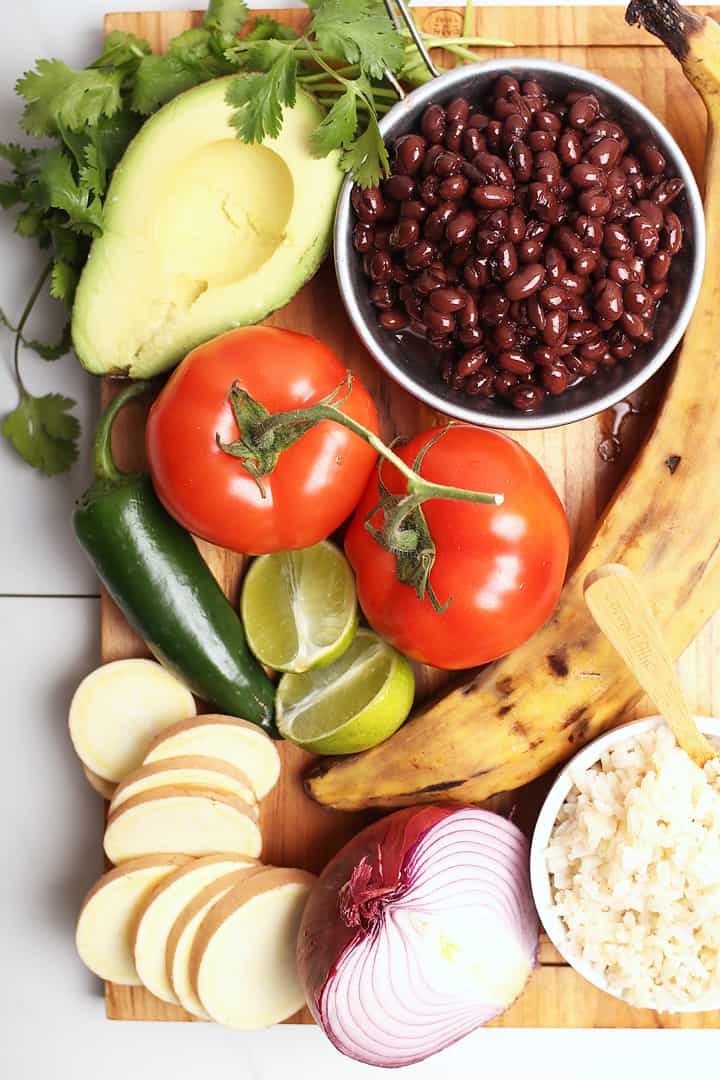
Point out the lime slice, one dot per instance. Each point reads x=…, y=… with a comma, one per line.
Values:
x=299, y=607
x=353, y=704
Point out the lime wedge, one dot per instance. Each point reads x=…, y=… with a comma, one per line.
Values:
x=355, y=703
x=299, y=607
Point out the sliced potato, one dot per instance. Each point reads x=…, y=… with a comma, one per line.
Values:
x=195, y=772
x=238, y=742
x=158, y=912
x=181, y=937
x=119, y=709
x=243, y=964
x=103, y=787
x=103, y=936
x=194, y=821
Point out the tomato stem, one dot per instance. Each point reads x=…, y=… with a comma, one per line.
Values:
x=272, y=431
x=404, y=533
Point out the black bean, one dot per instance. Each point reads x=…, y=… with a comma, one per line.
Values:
x=471, y=361
x=645, y=235
x=409, y=153
x=520, y=160
x=651, y=158
x=493, y=307
x=605, y=153
x=405, y=233
x=461, y=227
x=394, y=319
x=382, y=296
x=368, y=204
x=433, y=123
x=584, y=111
x=527, y=398
x=420, y=254
x=569, y=147
x=491, y=196
x=525, y=282
x=362, y=238
x=637, y=299
x=659, y=266
x=454, y=188
x=672, y=232
x=608, y=300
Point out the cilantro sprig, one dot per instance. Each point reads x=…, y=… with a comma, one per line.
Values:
x=85, y=118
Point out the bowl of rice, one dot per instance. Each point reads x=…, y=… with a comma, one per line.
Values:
x=625, y=868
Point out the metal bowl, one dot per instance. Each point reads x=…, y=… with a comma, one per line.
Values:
x=413, y=363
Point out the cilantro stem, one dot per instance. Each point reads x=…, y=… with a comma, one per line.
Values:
x=335, y=88
x=32, y=299
x=319, y=76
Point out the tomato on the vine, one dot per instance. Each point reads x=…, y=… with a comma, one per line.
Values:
x=497, y=571
x=198, y=460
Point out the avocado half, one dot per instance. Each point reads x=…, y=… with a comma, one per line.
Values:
x=202, y=233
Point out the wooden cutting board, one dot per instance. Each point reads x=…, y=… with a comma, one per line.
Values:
x=585, y=462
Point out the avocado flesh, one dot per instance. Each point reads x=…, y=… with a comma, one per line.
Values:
x=202, y=233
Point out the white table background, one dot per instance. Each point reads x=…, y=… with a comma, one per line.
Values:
x=52, y=1020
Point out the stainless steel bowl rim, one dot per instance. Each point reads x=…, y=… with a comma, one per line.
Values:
x=395, y=123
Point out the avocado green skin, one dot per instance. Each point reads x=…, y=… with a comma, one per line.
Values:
x=155, y=574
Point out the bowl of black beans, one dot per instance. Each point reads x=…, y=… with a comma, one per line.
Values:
x=535, y=254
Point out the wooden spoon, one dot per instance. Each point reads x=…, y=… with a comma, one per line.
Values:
x=621, y=610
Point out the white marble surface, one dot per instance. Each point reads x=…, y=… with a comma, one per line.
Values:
x=51, y=1012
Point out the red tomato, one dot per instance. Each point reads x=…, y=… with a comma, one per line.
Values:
x=316, y=482
x=501, y=566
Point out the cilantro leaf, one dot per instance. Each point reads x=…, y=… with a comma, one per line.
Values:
x=226, y=16
x=56, y=186
x=57, y=94
x=20, y=157
x=51, y=350
x=63, y=281
x=367, y=158
x=338, y=127
x=360, y=32
x=44, y=432
x=9, y=195
x=266, y=27
x=191, y=59
x=263, y=54
x=31, y=222
x=258, y=99
x=159, y=79
x=122, y=49
x=93, y=172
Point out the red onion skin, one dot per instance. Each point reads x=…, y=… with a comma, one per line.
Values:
x=324, y=937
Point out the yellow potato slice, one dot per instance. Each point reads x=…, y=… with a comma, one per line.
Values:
x=194, y=821
x=103, y=787
x=195, y=772
x=159, y=911
x=243, y=964
x=238, y=742
x=104, y=928
x=119, y=709
x=181, y=937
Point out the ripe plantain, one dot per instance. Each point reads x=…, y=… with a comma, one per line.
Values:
x=534, y=708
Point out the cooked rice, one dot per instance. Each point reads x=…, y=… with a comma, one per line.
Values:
x=634, y=862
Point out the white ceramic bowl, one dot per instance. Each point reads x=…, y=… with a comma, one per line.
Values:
x=539, y=877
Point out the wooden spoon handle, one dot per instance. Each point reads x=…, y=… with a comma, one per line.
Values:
x=621, y=610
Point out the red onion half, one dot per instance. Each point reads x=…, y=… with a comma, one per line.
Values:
x=420, y=930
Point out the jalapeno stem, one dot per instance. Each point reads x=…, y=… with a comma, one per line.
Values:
x=103, y=462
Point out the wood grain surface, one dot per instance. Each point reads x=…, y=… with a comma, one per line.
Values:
x=584, y=461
